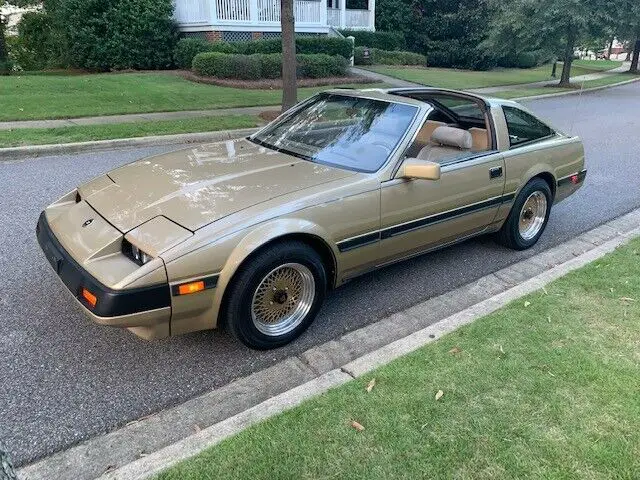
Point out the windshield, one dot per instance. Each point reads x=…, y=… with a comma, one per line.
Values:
x=342, y=131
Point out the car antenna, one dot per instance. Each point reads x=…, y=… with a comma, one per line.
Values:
x=578, y=103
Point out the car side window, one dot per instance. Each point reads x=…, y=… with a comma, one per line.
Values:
x=524, y=128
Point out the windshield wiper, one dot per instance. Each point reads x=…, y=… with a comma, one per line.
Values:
x=280, y=149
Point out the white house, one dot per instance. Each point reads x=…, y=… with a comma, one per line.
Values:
x=250, y=19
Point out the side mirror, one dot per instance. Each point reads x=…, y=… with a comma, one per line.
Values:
x=422, y=169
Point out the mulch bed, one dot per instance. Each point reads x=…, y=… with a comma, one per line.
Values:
x=274, y=84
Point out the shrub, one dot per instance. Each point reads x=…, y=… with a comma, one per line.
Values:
x=189, y=48
x=186, y=49
x=222, y=65
x=40, y=42
x=257, y=65
x=271, y=65
x=385, y=57
x=120, y=34
x=321, y=66
x=526, y=60
x=381, y=40
x=326, y=45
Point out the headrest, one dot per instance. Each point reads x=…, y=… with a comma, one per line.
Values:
x=452, y=137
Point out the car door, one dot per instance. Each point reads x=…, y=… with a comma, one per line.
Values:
x=418, y=215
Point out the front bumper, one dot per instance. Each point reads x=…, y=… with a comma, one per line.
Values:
x=124, y=308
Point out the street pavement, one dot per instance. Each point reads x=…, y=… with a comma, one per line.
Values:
x=63, y=379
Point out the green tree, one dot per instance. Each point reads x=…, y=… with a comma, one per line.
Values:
x=449, y=32
x=628, y=28
x=5, y=64
x=558, y=25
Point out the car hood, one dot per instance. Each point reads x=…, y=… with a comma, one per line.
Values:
x=198, y=186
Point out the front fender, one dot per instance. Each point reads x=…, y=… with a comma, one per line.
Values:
x=200, y=311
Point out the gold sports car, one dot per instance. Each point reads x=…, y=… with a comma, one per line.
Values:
x=249, y=234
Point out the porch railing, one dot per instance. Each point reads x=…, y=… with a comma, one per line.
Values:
x=267, y=12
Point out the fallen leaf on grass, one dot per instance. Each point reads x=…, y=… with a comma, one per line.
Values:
x=371, y=384
x=627, y=299
x=455, y=350
x=439, y=395
x=501, y=350
x=526, y=304
x=357, y=426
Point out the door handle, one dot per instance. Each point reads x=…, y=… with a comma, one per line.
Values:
x=495, y=172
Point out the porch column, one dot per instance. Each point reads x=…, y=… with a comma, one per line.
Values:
x=372, y=15
x=253, y=12
x=343, y=14
x=323, y=13
x=213, y=11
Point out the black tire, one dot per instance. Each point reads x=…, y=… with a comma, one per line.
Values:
x=509, y=235
x=238, y=312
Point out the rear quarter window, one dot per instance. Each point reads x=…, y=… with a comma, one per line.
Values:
x=523, y=127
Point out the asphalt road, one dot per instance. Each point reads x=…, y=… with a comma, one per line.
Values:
x=63, y=379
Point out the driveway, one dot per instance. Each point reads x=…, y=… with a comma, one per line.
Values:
x=63, y=379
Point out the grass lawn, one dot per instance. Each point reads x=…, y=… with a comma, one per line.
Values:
x=597, y=64
x=30, y=97
x=42, y=136
x=599, y=82
x=547, y=387
x=461, y=79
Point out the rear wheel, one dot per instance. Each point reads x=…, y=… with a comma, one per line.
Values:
x=528, y=217
x=276, y=295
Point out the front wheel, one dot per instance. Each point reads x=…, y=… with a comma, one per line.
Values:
x=276, y=295
x=528, y=217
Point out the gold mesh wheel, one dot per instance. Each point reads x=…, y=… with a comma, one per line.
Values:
x=532, y=215
x=283, y=299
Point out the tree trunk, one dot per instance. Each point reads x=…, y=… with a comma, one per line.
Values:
x=610, y=48
x=568, y=57
x=289, y=86
x=4, y=53
x=554, y=68
x=636, y=54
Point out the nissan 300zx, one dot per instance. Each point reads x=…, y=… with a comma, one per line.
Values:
x=249, y=234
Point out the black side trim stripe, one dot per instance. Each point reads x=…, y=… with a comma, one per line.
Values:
x=567, y=180
x=357, y=242
x=209, y=282
x=369, y=238
x=441, y=217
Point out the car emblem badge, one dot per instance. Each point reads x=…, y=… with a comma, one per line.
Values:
x=87, y=223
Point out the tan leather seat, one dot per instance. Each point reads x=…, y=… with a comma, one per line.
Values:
x=447, y=143
x=424, y=136
x=480, y=138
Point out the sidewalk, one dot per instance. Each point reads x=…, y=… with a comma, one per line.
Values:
x=134, y=118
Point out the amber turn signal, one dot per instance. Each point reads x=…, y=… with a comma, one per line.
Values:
x=193, y=287
x=89, y=297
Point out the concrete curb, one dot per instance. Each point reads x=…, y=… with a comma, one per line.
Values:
x=17, y=153
x=572, y=92
x=169, y=434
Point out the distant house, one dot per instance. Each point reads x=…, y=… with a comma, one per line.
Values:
x=234, y=20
